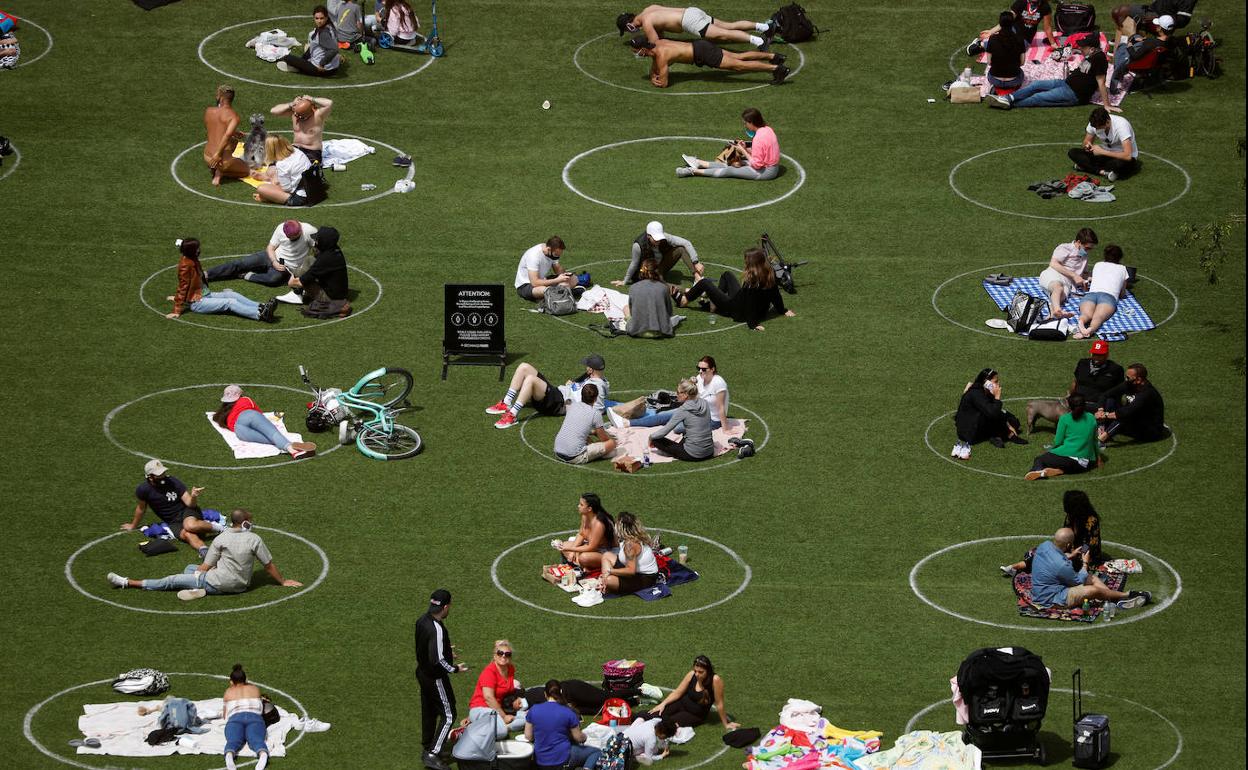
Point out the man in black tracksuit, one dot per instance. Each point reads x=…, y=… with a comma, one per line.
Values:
x=1134, y=409
x=434, y=665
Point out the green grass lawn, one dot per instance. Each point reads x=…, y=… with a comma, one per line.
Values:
x=805, y=551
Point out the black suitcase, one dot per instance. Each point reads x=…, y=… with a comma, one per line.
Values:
x=1091, y=730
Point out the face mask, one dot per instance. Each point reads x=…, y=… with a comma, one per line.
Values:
x=1083, y=252
x=750, y=133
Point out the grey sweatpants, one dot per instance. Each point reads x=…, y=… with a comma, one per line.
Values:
x=719, y=170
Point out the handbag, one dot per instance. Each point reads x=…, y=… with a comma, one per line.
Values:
x=1052, y=330
x=1024, y=312
x=268, y=712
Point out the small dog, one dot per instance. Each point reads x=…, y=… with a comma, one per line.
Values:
x=1050, y=409
x=253, y=145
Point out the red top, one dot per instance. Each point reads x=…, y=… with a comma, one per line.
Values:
x=240, y=406
x=500, y=682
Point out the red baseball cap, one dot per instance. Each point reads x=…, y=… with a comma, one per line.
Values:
x=1100, y=348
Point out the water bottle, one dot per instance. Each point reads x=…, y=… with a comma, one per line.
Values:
x=712, y=319
x=966, y=76
x=666, y=551
x=645, y=459
x=368, y=186
x=615, y=726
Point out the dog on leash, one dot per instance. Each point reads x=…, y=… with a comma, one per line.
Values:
x=1050, y=409
x=253, y=145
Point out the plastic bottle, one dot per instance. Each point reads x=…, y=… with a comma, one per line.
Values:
x=966, y=76
x=368, y=186
x=615, y=726
x=712, y=319
x=645, y=459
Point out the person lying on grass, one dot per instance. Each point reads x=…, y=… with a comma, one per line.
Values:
x=594, y=537
x=238, y=413
x=689, y=704
x=657, y=19
x=1085, y=522
x=748, y=299
x=702, y=53
x=760, y=158
x=195, y=295
x=529, y=386
x=1056, y=583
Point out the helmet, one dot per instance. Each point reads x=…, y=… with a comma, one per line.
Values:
x=318, y=419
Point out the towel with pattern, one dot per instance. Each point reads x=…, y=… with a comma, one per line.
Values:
x=1022, y=588
x=636, y=441
x=926, y=750
x=1129, y=319
x=247, y=450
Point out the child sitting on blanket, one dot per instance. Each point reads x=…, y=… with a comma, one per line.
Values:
x=240, y=414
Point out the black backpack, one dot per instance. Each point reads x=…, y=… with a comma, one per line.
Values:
x=1073, y=18
x=793, y=24
x=314, y=186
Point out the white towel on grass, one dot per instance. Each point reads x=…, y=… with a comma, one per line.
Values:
x=247, y=450
x=343, y=151
x=122, y=732
x=600, y=299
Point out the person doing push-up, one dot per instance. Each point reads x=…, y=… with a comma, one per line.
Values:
x=703, y=53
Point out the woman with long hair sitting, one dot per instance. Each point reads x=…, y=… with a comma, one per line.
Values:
x=748, y=299
x=689, y=704
x=595, y=537
x=284, y=172
x=195, y=295
x=632, y=566
x=1074, y=447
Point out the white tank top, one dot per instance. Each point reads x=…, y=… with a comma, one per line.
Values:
x=244, y=706
x=646, y=563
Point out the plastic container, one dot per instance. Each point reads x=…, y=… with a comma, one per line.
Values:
x=368, y=186
x=682, y=554
x=645, y=459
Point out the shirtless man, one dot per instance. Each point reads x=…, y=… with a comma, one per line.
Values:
x=703, y=53
x=221, y=123
x=660, y=18
x=307, y=115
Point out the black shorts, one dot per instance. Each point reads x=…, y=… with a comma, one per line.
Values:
x=313, y=155
x=526, y=292
x=707, y=54
x=176, y=525
x=551, y=404
x=631, y=584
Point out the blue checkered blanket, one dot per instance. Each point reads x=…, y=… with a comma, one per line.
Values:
x=1129, y=318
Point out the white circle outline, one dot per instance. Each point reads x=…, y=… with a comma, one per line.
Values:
x=17, y=160
x=1081, y=477
x=1132, y=618
x=724, y=328
x=324, y=322
x=28, y=731
x=108, y=433
x=69, y=567
x=45, y=51
x=745, y=582
x=948, y=281
x=411, y=174
x=319, y=86
x=1177, y=751
x=587, y=467
x=801, y=62
x=1187, y=185
x=567, y=181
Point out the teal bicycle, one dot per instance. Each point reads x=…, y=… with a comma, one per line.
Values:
x=366, y=412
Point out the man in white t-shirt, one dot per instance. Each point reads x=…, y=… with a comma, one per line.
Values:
x=1109, y=147
x=649, y=739
x=289, y=253
x=1068, y=270
x=533, y=275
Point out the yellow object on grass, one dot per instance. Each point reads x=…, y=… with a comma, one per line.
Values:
x=251, y=180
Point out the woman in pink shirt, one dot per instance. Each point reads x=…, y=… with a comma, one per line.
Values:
x=761, y=155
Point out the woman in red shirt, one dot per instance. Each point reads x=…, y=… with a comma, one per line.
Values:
x=497, y=680
x=240, y=414
x=761, y=154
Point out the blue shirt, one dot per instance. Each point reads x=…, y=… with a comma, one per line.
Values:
x=1051, y=575
x=552, y=725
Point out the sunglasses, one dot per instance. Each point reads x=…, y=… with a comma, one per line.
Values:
x=704, y=368
x=503, y=653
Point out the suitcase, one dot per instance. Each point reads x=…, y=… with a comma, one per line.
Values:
x=1091, y=730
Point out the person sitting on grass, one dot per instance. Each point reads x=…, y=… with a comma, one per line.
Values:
x=1074, y=447
x=689, y=705
x=583, y=419
x=239, y=414
x=760, y=157
x=1066, y=269
x=703, y=53
x=748, y=299
x=195, y=295
x=227, y=567
x=320, y=57
x=555, y=732
x=711, y=388
x=324, y=288
x=1134, y=408
x=632, y=566
x=307, y=122
x=692, y=416
x=1085, y=522
x=283, y=175
x=349, y=28
x=1109, y=147
x=10, y=50
x=656, y=19
x=243, y=709
x=649, y=739
x=1096, y=375
x=540, y=269
x=649, y=309
x=529, y=386
x=288, y=251
x=174, y=505
x=1056, y=583
x=982, y=417
x=595, y=536
x=1024, y=18
x=1006, y=54
x=398, y=19
x=1108, y=285
x=221, y=124
x=1084, y=81
x=663, y=247
x=496, y=681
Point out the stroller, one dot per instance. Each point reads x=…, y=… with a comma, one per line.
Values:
x=1006, y=692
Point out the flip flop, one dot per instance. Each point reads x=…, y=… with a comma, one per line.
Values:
x=90, y=743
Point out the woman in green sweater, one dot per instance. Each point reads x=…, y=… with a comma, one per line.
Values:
x=1074, y=447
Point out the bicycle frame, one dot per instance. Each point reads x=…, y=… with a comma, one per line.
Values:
x=381, y=419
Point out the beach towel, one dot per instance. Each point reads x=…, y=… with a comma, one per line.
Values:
x=335, y=151
x=636, y=441
x=1129, y=319
x=247, y=450
x=1022, y=589
x=680, y=574
x=1039, y=65
x=926, y=750
x=122, y=732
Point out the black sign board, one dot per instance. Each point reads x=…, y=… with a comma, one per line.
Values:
x=472, y=327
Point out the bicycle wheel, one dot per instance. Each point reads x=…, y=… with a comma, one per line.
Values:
x=401, y=443
x=385, y=387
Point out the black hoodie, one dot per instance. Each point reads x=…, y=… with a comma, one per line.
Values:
x=329, y=271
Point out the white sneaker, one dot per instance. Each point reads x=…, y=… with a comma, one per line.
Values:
x=957, y=451
x=311, y=725
x=117, y=580
x=345, y=434
x=191, y=594
x=283, y=66
x=616, y=420
x=1008, y=570
x=690, y=161
x=291, y=298
x=965, y=454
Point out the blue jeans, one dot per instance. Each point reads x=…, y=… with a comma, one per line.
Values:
x=583, y=756
x=253, y=426
x=653, y=419
x=191, y=577
x=1044, y=93
x=246, y=727
x=258, y=264
x=997, y=82
x=227, y=301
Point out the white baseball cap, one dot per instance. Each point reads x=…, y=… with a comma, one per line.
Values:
x=655, y=231
x=231, y=394
x=154, y=468
x=1165, y=22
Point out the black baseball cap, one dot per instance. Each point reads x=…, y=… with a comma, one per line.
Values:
x=594, y=361
x=440, y=598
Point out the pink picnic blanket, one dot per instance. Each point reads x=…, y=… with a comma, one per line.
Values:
x=1040, y=66
x=635, y=441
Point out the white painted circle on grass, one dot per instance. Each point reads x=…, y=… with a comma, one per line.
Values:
x=1187, y=185
x=589, y=467
x=576, y=61
x=1178, y=748
x=323, y=322
x=745, y=581
x=1042, y=625
x=567, y=180
x=28, y=730
x=14, y=161
x=43, y=53
x=948, y=281
x=411, y=173
x=1091, y=475
x=69, y=575
x=108, y=433
x=304, y=82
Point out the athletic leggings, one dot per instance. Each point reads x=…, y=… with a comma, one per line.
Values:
x=301, y=64
x=676, y=449
x=722, y=295
x=1066, y=464
x=718, y=170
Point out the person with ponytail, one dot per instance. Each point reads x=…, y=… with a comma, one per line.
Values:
x=554, y=729
x=689, y=704
x=1006, y=54
x=243, y=709
x=1074, y=446
x=595, y=536
x=194, y=293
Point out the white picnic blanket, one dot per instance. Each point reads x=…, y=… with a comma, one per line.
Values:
x=600, y=299
x=635, y=441
x=343, y=151
x=272, y=45
x=122, y=732
x=247, y=450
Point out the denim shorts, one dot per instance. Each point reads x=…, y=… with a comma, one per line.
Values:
x=1100, y=298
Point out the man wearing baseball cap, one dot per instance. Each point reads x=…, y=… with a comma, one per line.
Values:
x=289, y=253
x=1096, y=375
x=435, y=662
x=663, y=247
x=1131, y=46
x=173, y=504
x=529, y=386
